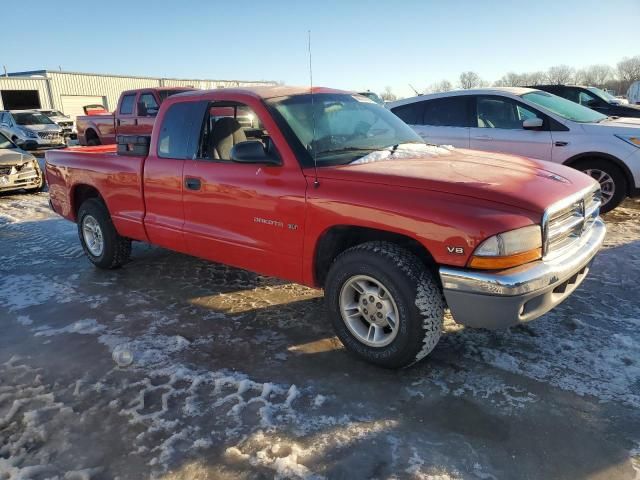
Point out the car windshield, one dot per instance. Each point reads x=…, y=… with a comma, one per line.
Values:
x=5, y=142
x=606, y=96
x=337, y=129
x=31, y=118
x=564, y=108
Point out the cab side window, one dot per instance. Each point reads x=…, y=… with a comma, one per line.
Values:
x=226, y=124
x=126, y=106
x=149, y=105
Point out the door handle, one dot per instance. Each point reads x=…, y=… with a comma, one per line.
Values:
x=192, y=183
x=118, y=122
x=560, y=144
x=135, y=122
x=482, y=137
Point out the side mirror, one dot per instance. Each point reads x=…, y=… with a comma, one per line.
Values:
x=532, y=123
x=252, y=151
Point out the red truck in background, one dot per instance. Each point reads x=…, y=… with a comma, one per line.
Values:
x=333, y=191
x=134, y=115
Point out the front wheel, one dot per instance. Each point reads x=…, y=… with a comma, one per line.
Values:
x=613, y=183
x=385, y=306
x=100, y=241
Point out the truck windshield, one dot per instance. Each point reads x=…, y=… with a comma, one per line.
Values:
x=29, y=118
x=606, y=96
x=337, y=129
x=564, y=108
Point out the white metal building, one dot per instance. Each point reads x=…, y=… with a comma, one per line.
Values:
x=70, y=91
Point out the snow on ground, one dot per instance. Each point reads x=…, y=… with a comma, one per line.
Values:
x=233, y=375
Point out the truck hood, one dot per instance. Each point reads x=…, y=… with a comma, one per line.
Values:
x=10, y=156
x=508, y=179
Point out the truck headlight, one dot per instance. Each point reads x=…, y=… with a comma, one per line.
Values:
x=631, y=139
x=28, y=133
x=508, y=249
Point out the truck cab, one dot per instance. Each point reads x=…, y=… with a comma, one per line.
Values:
x=134, y=115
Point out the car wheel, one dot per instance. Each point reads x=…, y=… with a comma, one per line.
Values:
x=613, y=183
x=99, y=238
x=385, y=306
x=92, y=138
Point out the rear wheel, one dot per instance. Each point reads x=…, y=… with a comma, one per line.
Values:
x=385, y=306
x=612, y=180
x=99, y=238
x=92, y=138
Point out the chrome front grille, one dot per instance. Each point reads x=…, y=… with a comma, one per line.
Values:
x=566, y=222
x=49, y=135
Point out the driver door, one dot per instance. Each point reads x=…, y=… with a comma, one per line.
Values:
x=246, y=215
x=497, y=127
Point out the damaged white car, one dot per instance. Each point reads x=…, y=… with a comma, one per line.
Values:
x=19, y=170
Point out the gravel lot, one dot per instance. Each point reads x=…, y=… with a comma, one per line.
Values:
x=235, y=375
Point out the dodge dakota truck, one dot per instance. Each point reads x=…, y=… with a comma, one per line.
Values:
x=135, y=114
x=330, y=190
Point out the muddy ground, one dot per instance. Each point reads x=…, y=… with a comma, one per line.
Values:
x=235, y=376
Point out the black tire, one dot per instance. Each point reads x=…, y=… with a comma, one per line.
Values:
x=116, y=249
x=615, y=172
x=92, y=138
x=417, y=295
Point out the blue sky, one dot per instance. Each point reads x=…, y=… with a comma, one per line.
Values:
x=356, y=45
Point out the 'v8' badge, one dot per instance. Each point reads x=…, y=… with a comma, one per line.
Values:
x=455, y=250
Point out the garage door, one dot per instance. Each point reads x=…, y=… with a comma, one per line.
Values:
x=72, y=104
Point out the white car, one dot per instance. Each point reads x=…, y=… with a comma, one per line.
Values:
x=30, y=129
x=535, y=124
x=633, y=94
x=65, y=122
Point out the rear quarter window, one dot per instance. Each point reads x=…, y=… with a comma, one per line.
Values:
x=180, y=130
x=410, y=113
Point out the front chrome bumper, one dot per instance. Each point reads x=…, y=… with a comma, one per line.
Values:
x=501, y=299
x=27, y=177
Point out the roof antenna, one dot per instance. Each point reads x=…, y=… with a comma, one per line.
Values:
x=316, y=182
x=416, y=91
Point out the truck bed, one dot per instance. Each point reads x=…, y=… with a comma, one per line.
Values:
x=74, y=173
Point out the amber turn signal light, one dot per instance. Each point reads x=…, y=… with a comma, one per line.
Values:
x=499, y=263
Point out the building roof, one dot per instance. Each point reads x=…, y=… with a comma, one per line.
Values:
x=45, y=72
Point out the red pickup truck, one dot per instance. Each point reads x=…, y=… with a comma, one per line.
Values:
x=331, y=190
x=135, y=115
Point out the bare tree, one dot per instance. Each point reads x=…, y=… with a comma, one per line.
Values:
x=596, y=75
x=388, y=95
x=561, y=74
x=441, y=86
x=510, y=79
x=535, y=78
x=629, y=69
x=470, y=80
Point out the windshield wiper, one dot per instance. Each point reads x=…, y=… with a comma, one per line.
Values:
x=348, y=149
